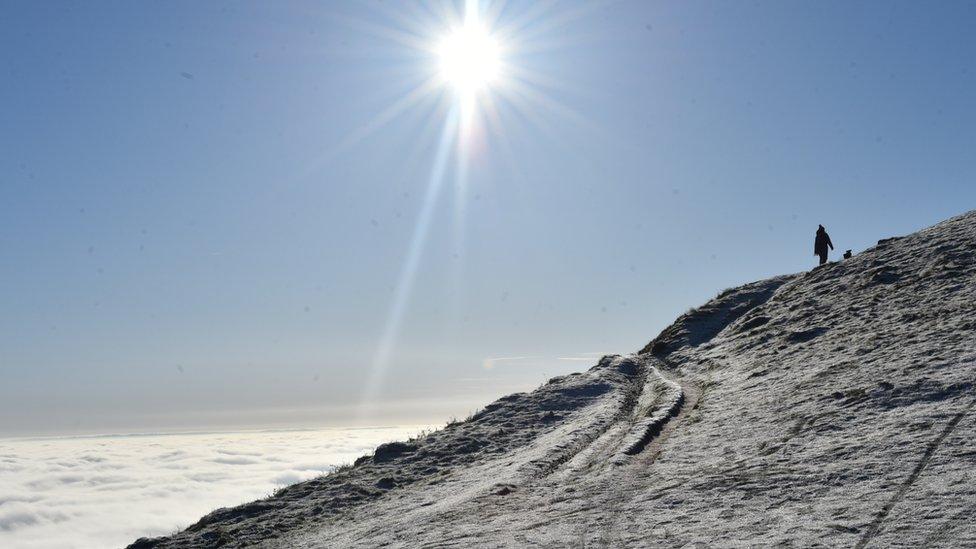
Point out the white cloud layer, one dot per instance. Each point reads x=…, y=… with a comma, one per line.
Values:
x=84, y=492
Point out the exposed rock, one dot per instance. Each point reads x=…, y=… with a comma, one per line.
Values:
x=392, y=450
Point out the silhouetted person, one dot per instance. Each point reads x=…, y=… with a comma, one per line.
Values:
x=820, y=245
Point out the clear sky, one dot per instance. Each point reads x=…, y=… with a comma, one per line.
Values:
x=259, y=214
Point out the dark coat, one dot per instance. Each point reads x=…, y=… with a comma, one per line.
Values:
x=821, y=243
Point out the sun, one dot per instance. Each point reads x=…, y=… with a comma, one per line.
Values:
x=469, y=58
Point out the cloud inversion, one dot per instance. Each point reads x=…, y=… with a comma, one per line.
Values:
x=86, y=492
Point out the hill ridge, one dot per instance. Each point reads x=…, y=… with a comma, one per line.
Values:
x=830, y=407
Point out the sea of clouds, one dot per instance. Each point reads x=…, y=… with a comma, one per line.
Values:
x=106, y=491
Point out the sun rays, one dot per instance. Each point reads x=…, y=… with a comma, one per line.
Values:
x=468, y=61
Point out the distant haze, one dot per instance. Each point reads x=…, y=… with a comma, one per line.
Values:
x=205, y=216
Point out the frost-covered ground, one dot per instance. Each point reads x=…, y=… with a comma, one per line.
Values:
x=832, y=408
x=94, y=492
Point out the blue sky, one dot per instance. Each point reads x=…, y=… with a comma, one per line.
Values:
x=197, y=229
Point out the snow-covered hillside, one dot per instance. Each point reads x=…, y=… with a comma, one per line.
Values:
x=831, y=408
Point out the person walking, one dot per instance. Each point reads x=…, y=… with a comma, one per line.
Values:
x=821, y=243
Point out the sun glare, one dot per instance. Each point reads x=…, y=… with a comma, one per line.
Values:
x=474, y=54
x=469, y=58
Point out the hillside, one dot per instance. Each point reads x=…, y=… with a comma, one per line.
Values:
x=830, y=408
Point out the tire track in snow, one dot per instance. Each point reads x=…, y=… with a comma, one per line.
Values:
x=878, y=521
x=652, y=448
x=589, y=440
x=647, y=428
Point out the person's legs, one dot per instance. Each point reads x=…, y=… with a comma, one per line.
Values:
x=823, y=258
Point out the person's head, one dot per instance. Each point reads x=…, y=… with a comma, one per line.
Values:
x=820, y=228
